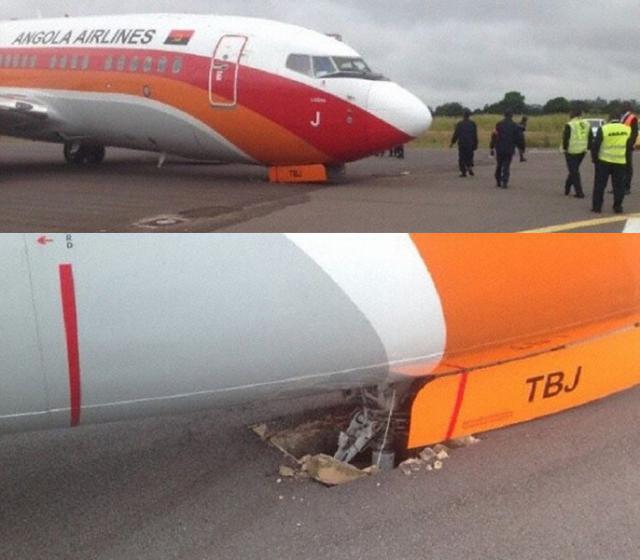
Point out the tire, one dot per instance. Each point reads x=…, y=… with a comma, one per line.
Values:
x=77, y=153
x=94, y=155
x=74, y=153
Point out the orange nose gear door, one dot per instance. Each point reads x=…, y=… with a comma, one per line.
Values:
x=225, y=70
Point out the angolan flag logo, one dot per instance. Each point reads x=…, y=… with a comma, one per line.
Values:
x=179, y=37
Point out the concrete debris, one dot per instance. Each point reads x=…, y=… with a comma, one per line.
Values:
x=429, y=459
x=286, y=472
x=465, y=441
x=428, y=455
x=260, y=430
x=331, y=472
x=441, y=451
x=411, y=466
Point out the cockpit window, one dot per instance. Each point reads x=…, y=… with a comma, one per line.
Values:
x=331, y=67
x=356, y=65
x=300, y=63
x=323, y=66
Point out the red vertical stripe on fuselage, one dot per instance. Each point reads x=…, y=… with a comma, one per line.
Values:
x=69, y=311
x=453, y=422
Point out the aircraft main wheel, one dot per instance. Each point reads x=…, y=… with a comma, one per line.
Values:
x=74, y=152
x=94, y=155
x=77, y=153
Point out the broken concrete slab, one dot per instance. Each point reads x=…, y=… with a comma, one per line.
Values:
x=331, y=472
x=286, y=472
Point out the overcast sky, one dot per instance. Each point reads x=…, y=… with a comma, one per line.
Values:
x=472, y=51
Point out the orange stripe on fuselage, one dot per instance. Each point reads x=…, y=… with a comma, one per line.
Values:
x=507, y=288
x=257, y=136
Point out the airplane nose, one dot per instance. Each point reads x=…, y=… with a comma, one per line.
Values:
x=399, y=108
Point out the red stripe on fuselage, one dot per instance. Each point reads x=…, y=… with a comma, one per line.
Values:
x=347, y=132
x=69, y=312
x=453, y=422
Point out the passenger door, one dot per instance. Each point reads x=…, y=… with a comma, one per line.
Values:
x=225, y=70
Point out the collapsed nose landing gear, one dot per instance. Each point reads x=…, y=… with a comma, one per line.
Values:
x=376, y=425
x=78, y=153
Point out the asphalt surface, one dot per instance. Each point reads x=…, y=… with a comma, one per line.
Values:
x=204, y=487
x=39, y=192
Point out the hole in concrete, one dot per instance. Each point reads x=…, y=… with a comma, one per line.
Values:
x=310, y=441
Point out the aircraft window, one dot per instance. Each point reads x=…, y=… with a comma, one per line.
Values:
x=300, y=63
x=323, y=66
x=74, y=62
x=148, y=64
x=121, y=64
x=346, y=64
x=24, y=61
x=108, y=63
x=62, y=63
x=53, y=63
x=135, y=63
x=162, y=64
x=85, y=62
x=33, y=61
x=16, y=61
x=177, y=66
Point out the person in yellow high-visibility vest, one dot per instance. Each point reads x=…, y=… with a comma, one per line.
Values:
x=610, y=152
x=576, y=141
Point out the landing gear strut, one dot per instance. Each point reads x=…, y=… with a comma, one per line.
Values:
x=78, y=153
x=374, y=425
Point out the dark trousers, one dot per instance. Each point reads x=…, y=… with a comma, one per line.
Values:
x=629, y=174
x=465, y=159
x=617, y=173
x=503, y=168
x=574, y=179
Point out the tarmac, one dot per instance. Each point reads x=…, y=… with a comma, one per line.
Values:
x=205, y=487
x=423, y=193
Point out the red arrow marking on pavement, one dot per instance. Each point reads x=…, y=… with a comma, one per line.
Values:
x=44, y=240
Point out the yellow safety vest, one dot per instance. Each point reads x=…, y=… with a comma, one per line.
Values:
x=579, y=140
x=615, y=137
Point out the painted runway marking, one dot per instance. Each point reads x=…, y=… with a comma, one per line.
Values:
x=584, y=224
x=633, y=226
x=68, y=294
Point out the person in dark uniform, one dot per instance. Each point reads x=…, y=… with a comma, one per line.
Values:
x=610, y=151
x=505, y=139
x=629, y=119
x=523, y=127
x=466, y=136
x=576, y=141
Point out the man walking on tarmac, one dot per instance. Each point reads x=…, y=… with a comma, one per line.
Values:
x=610, y=152
x=466, y=136
x=576, y=140
x=505, y=139
x=630, y=120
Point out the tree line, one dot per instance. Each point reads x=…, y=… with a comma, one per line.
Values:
x=516, y=102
